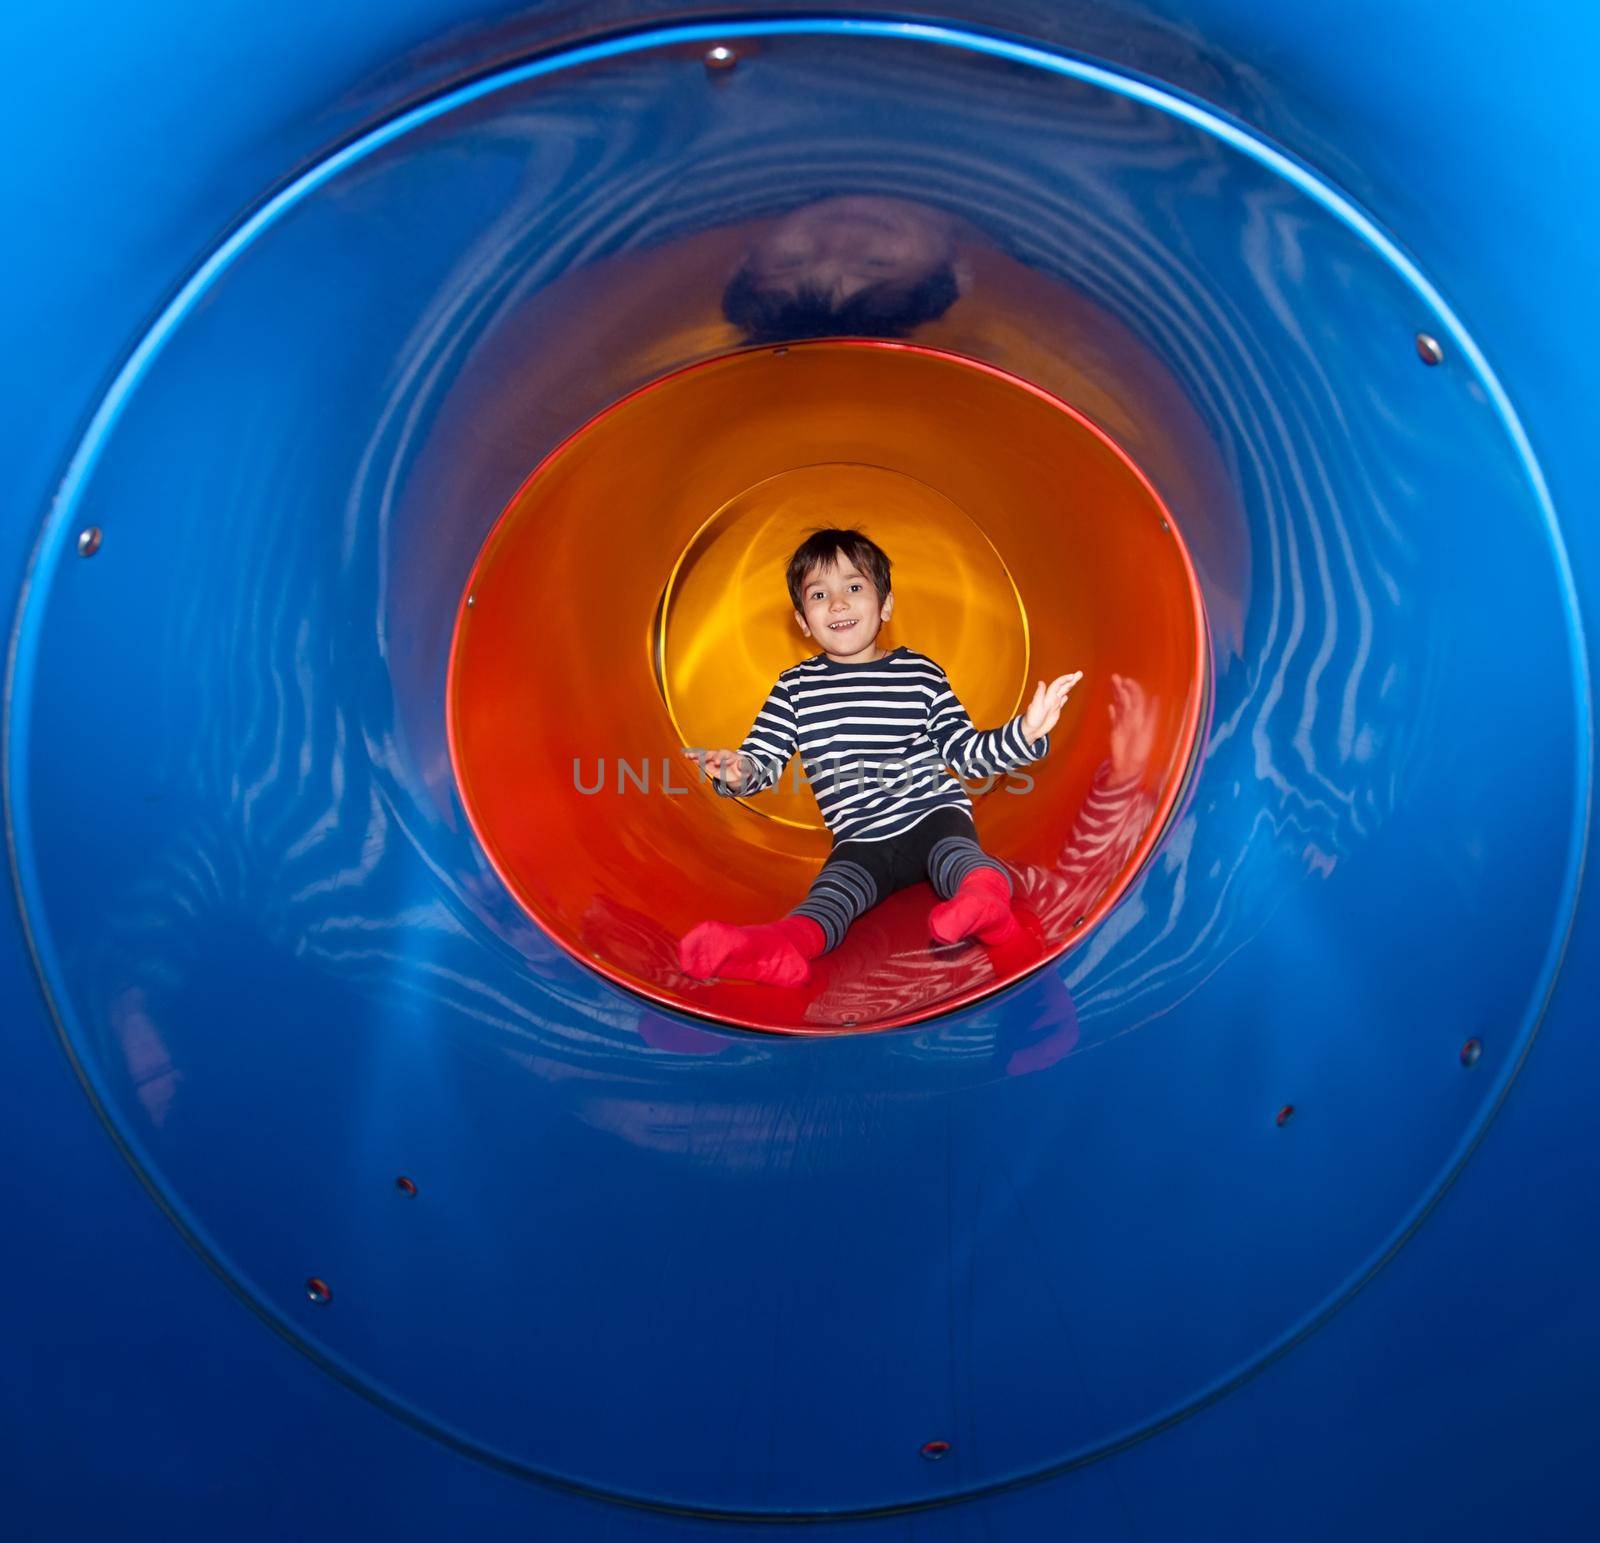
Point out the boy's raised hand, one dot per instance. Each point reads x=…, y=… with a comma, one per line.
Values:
x=1045, y=708
x=720, y=763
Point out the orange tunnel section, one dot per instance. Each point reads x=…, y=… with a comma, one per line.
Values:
x=630, y=602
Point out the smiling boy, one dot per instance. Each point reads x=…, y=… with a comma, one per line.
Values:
x=875, y=731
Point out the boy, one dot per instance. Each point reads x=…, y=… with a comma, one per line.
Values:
x=874, y=730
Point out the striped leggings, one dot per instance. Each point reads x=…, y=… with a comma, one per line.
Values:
x=942, y=848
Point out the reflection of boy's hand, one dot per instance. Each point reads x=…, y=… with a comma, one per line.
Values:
x=1133, y=728
x=1045, y=708
x=720, y=763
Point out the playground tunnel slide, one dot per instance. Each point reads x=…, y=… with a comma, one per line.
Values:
x=388, y=545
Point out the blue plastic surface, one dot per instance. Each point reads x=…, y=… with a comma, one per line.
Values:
x=720, y=1273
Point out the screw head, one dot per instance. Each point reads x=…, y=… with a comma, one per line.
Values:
x=89, y=539
x=1429, y=349
x=1471, y=1051
x=319, y=1291
x=721, y=57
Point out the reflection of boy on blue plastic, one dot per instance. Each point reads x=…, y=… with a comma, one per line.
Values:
x=853, y=266
x=875, y=731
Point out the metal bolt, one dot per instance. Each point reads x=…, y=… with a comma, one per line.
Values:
x=1471, y=1051
x=319, y=1290
x=89, y=540
x=1429, y=350
x=1285, y=1114
x=405, y=1186
x=934, y=1450
x=721, y=57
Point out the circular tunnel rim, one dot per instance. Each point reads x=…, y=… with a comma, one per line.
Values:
x=1189, y=743
x=53, y=542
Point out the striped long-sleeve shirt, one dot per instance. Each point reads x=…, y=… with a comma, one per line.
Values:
x=875, y=741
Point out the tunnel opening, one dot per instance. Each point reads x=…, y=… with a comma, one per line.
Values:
x=1027, y=544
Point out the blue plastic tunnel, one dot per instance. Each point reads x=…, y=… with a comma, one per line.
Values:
x=343, y=1196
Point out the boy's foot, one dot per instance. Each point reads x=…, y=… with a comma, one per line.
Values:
x=773, y=954
x=980, y=908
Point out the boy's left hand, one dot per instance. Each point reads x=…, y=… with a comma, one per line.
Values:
x=1045, y=708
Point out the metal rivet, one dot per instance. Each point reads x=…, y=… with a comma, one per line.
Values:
x=1285, y=1114
x=1471, y=1051
x=849, y=1023
x=934, y=1450
x=1165, y=525
x=721, y=57
x=470, y=599
x=405, y=1185
x=1429, y=350
x=89, y=540
x=1080, y=921
x=319, y=1290
x=779, y=352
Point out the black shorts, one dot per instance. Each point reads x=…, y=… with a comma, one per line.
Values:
x=898, y=861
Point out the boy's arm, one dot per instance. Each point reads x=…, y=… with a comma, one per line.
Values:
x=765, y=752
x=965, y=750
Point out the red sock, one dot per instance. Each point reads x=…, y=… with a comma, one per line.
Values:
x=773, y=954
x=981, y=907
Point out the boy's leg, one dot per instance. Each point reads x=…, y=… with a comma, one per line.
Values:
x=974, y=888
x=778, y=953
x=839, y=894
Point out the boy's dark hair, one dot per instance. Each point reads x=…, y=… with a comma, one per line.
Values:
x=885, y=310
x=822, y=548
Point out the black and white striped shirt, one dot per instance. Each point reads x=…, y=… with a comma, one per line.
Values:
x=875, y=741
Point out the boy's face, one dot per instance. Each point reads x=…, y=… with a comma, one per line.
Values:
x=841, y=610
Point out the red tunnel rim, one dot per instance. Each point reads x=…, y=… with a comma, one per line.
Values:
x=1179, y=786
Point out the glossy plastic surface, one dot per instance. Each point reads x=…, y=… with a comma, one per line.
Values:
x=700, y=1268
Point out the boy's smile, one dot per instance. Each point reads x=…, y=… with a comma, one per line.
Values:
x=843, y=614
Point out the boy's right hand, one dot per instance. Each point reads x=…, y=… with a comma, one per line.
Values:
x=720, y=763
